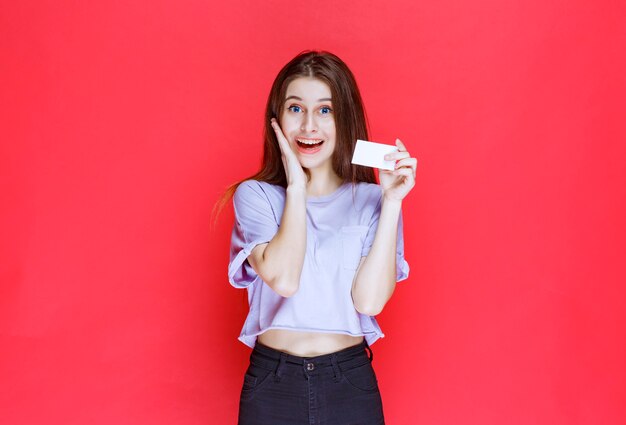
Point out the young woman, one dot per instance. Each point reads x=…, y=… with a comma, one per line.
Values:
x=319, y=246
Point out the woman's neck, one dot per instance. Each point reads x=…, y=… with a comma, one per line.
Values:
x=321, y=184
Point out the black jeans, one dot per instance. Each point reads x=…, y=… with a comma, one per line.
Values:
x=337, y=388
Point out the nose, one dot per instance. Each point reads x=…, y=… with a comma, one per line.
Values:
x=309, y=124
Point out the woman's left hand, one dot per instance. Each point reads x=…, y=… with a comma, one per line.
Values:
x=398, y=183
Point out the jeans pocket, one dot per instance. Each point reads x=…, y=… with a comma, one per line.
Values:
x=254, y=378
x=362, y=378
x=352, y=239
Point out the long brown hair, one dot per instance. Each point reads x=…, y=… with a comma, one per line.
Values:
x=350, y=120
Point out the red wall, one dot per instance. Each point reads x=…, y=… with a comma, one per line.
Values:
x=121, y=122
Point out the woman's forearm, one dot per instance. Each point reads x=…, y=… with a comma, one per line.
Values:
x=283, y=257
x=375, y=280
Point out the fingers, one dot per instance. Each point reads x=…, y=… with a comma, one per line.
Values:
x=399, y=181
x=400, y=145
x=409, y=176
x=283, y=143
x=282, y=140
x=397, y=155
x=277, y=129
x=403, y=172
x=401, y=154
x=403, y=157
x=293, y=169
x=407, y=162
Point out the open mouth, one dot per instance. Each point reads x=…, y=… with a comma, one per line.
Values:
x=309, y=144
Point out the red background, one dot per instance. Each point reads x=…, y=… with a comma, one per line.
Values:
x=121, y=122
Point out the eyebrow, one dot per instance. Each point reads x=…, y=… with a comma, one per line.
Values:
x=324, y=99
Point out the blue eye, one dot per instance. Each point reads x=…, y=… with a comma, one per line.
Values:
x=294, y=108
x=325, y=110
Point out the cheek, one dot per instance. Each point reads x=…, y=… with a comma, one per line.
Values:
x=326, y=123
x=288, y=124
x=329, y=128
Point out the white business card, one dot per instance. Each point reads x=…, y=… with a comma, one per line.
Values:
x=372, y=154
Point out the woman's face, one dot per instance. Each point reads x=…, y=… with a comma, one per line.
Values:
x=308, y=122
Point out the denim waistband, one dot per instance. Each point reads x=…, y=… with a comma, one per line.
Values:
x=348, y=358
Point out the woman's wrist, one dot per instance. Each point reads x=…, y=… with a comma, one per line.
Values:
x=296, y=189
x=392, y=202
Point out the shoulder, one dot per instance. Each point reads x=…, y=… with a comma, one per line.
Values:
x=259, y=188
x=258, y=194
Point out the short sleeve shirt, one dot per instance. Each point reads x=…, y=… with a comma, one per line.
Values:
x=340, y=230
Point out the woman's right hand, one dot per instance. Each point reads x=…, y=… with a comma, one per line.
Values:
x=293, y=170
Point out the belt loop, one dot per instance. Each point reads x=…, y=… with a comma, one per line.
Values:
x=367, y=347
x=333, y=360
x=279, y=368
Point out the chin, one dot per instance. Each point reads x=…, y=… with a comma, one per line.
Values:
x=312, y=164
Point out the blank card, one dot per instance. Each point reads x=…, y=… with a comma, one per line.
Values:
x=372, y=154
